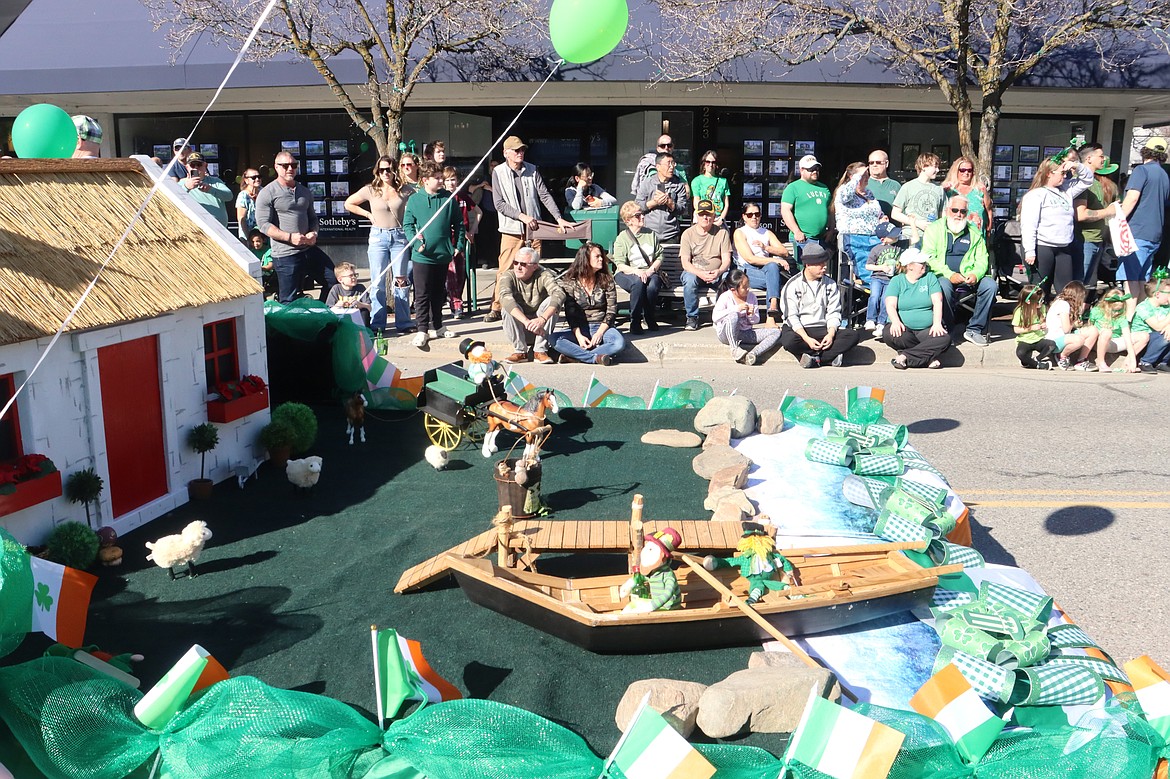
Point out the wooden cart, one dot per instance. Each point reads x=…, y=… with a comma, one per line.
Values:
x=454, y=407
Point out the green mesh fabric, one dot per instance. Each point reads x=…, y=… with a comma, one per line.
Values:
x=16, y=587
x=302, y=319
x=689, y=394
x=622, y=401
x=812, y=412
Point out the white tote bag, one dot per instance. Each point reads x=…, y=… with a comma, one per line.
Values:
x=1123, y=242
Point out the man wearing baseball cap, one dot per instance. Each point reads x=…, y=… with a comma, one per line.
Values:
x=1147, y=195
x=210, y=191
x=89, y=137
x=804, y=207
x=517, y=193
x=811, y=303
x=177, y=170
x=705, y=252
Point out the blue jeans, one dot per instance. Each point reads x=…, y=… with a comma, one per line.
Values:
x=767, y=277
x=1157, y=350
x=292, y=271
x=984, y=297
x=876, y=310
x=1137, y=266
x=611, y=343
x=643, y=296
x=861, y=246
x=691, y=286
x=1091, y=256
x=386, y=246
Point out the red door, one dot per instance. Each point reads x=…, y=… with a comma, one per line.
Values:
x=132, y=414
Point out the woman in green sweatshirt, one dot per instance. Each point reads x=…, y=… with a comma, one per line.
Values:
x=432, y=251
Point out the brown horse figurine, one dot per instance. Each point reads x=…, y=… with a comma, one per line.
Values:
x=526, y=420
x=355, y=416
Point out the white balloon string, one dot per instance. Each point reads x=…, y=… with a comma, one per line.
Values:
x=133, y=220
x=374, y=283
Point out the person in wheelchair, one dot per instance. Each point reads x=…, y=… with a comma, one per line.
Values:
x=957, y=254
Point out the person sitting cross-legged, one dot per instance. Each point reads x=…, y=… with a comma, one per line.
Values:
x=531, y=301
x=590, y=310
x=914, y=303
x=705, y=252
x=811, y=304
x=957, y=254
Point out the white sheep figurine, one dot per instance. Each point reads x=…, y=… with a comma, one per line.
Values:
x=304, y=473
x=171, y=551
x=437, y=456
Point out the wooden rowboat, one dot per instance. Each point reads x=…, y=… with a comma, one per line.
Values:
x=840, y=587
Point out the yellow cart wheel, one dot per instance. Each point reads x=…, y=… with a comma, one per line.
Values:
x=442, y=434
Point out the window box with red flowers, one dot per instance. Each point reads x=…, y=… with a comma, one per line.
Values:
x=238, y=399
x=27, y=481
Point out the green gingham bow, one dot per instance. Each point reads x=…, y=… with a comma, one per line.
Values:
x=1002, y=644
x=875, y=450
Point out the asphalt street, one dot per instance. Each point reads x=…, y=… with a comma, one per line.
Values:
x=1066, y=473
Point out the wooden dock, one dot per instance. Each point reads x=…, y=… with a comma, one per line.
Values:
x=546, y=535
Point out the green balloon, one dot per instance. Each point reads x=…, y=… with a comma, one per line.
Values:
x=587, y=30
x=42, y=131
x=865, y=411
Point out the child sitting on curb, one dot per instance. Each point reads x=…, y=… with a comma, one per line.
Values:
x=1028, y=321
x=736, y=313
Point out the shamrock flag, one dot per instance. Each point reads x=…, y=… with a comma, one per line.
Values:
x=841, y=743
x=401, y=674
x=651, y=749
x=948, y=699
x=60, y=601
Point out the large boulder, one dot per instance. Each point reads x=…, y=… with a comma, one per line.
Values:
x=731, y=476
x=677, y=701
x=710, y=461
x=678, y=439
x=720, y=435
x=770, y=420
x=727, y=511
x=760, y=700
x=737, y=411
x=788, y=660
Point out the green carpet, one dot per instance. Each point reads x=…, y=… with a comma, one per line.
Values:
x=290, y=584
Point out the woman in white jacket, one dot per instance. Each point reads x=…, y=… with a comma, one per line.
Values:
x=1046, y=221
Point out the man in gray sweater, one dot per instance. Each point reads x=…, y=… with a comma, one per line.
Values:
x=664, y=199
x=531, y=300
x=811, y=306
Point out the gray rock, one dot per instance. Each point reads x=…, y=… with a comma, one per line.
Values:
x=759, y=700
x=737, y=411
x=709, y=462
x=737, y=498
x=733, y=476
x=716, y=496
x=677, y=701
x=727, y=511
x=770, y=420
x=791, y=661
x=678, y=439
x=720, y=435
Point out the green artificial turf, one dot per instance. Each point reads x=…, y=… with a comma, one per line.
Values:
x=290, y=584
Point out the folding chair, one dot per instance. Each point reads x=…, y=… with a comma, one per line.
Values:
x=854, y=293
x=1007, y=258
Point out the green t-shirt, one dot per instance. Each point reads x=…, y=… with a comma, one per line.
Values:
x=1097, y=320
x=1030, y=336
x=884, y=193
x=1093, y=230
x=920, y=198
x=1146, y=310
x=915, y=308
x=810, y=206
x=712, y=188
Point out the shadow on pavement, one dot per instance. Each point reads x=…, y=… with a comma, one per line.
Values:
x=1078, y=520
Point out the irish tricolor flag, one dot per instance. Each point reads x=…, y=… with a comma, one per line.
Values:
x=860, y=393
x=595, y=393
x=517, y=385
x=60, y=601
x=651, y=749
x=948, y=699
x=401, y=674
x=1152, y=686
x=842, y=743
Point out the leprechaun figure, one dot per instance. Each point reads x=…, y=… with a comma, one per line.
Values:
x=758, y=562
x=654, y=563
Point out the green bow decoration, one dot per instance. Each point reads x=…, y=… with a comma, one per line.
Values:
x=1002, y=644
x=404, y=146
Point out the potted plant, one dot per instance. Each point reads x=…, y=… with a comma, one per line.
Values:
x=202, y=438
x=27, y=481
x=293, y=430
x=72, y=544
x=84, y=487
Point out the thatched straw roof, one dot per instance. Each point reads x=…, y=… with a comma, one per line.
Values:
x=58, y=221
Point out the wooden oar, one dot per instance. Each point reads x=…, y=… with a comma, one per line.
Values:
x=754, y=616
x=817, y=551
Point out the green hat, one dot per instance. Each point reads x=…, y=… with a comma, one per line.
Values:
x=1107, y=168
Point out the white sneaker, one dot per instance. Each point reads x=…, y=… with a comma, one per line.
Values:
x=420, y=339
x=877, y=331
x=738, y=353
x=442, y=332
x=870, y=324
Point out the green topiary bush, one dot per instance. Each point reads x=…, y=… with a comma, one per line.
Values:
x=84, y=486
x=277, y=435
x=203, y=438
x=303, y=422
x=72, y=544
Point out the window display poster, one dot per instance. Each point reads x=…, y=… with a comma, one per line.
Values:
x=319, y=207
x=774, y=210
x=210, y=151
x=805, y=147
x=1031, y=154
x=1001, y=173
x=910, y=152
x=314, y=167
x=314, y=148
x=213, y=169
x=338, y=148
x=752, y=189
x=1050, y=151
x=776, y=189
x=316, y=188
x=753, y=148
x=162, y=151
x=753, y=167
x=337, y=207
x=339, y=166
x=778, y=167
x=1025, y=172
x=291, y=147
x=777, y=148
x=339, y=189
x=1000, y=212
x=1001, y=195
x=1004, y=153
